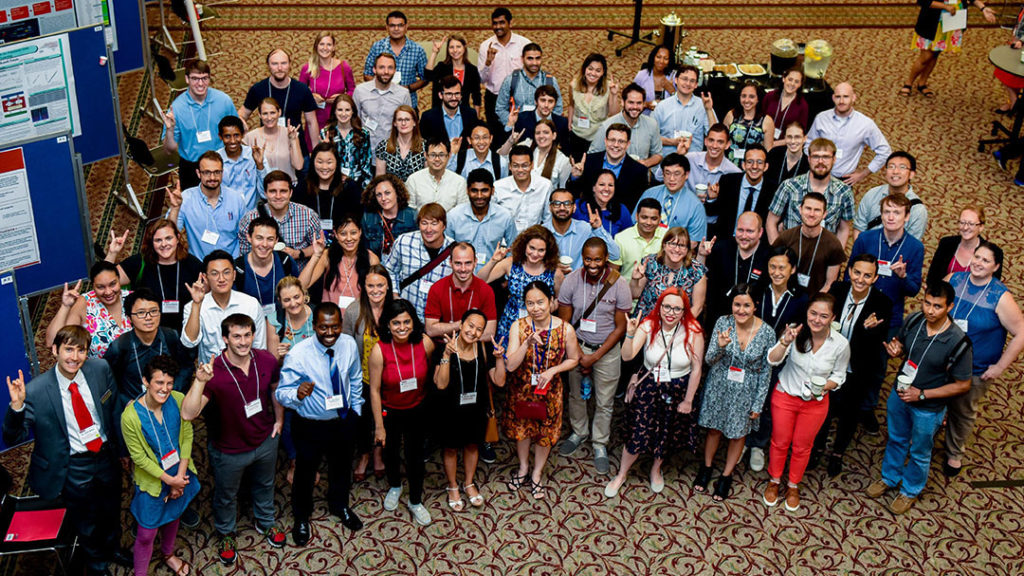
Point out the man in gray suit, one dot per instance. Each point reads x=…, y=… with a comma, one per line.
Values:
x=70, y=409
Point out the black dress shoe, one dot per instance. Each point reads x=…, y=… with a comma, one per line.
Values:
x=189, y=518
x=123, y=557
x=349, y=519
x=300, y=533
x=950, y=471
x=835, y=465
x=868, y=422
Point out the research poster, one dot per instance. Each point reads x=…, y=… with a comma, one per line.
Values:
x=37, y=90
x=19, y=245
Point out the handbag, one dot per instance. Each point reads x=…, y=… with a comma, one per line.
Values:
x=531, y=410
x=491, y=435
x=636, y=378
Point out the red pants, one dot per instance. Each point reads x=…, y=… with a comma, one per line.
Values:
x=795, y=422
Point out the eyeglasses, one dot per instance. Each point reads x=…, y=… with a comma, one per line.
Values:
x=898, y=168
x=965, y=224
x=821, y=156
x=454, y=94
x=199, y=79
x=437, y=155
x=147, y=313
x=754, y=162
x=671, y=309
x=674, y=245
x=403, y=120
x=520, y=166
x=208, y=173
x=562, y=203
x=617, y=140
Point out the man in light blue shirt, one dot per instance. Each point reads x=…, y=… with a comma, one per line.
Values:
x=851, y=131
x=571, y=234
x=322, y=380
x=241, y=171
x=209, y=213
x=683, y=113
x=709, y=166
x=679, y=208
x=191, y=124
x=482, y=224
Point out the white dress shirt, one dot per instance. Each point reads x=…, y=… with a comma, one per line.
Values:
x=528, y=208
x=75, y=437
x=210, y=341
x=829, y=362
x=424, y=189
x=850, y=134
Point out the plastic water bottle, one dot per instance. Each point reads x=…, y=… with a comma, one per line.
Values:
x=586, y=386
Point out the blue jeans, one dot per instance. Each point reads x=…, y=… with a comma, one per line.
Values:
x=911, y=433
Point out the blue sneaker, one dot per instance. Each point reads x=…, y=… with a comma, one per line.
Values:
x=999, y=159
x=1018, y=182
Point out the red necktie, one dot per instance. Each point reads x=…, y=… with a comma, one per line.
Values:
x=83, y=417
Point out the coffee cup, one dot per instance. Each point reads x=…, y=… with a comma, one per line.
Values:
x=702, y=191
x=565, y=261
x=817, y=385
x=903, y=382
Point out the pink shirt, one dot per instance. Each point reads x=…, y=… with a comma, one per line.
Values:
x=508, y=58
x=328, y=83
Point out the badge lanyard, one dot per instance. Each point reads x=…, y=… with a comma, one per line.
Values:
x=893, y=257
x=273, y=281
x=932, y=341
x=156, y=433
x=318, y=212
x=668, y=348
x=736, y=272
x=451, y=305
x=209, y=115
x=764, y=305
x=783, y=111
x=270, y=94
x=135, y=353
x=398, y=365
x=541, y=359
x=476, y=372
x=254, y=367
x=177, y=278
x=960, y=298
x=800, y=247
x=346, y=277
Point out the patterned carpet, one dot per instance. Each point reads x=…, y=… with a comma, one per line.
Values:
x=958, y=527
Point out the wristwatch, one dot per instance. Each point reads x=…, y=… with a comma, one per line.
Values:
x=920, y=396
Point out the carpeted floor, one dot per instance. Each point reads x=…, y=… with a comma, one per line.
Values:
x=960, y=526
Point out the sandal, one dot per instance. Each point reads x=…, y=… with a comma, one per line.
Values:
x=478, y=500
x=537, y=490
x=906, y=90
x=183, y=569
x=722, y=488
x=700, y=483
x=926, y=91
x=516, y=482
x=455, y=505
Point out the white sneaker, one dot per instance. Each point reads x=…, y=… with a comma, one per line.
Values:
x=420, y=514
x=757, y=459
x=391, y=500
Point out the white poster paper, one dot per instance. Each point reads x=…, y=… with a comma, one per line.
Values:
x=19, y=245
x=37, y=89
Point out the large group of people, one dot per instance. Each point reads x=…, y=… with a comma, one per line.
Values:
x=353, y=282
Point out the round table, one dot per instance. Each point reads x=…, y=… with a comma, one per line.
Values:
x=1008, y=60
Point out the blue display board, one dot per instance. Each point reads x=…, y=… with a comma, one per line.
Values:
x=94, y=87
x=13, y=350
x=130, y=53
x=60, y=217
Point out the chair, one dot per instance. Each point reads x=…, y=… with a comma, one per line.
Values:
x=66, y=539
x=155, y=161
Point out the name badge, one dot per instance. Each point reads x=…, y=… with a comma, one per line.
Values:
x=528, y=108
x=397, y=78
x=537, y=388
x=344, y=301
x=523, y=313
x=370, y=124
x=910, y=369
x=203, y=136
x=321, y=105
x=281, y=122
x=269, y=310
x=170, y=307
x=481, y=258
x=253, y=408
x=467, y=398
x=664, y=374
x=778, y=133
x=736, y=374
x=91, y=433
x=169, y=459
x=209, y=237
x=884, y=268
x=962, y=324
x=839, y=153
x=407, y=385
x=327, y=224
x=334, y=402
x=583, y=122
x=588, y=325
x=803, y=280
x=755, y=274
x=678, y=134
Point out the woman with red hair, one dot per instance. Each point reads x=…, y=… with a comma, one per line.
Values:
x=660, y=401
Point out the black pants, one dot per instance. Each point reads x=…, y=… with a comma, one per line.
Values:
x=761, y=437
x=92, y=494
x=493, y=122
x=314, y=440
x=187, y=173
x=406, y=427
x=844, y=405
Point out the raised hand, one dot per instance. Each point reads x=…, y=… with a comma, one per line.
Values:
x=723, y=339
x=871, y=321
x=438, y=44
x=69, y=297
x=499, y=253
x=792, y=330
x=169, y=119
x=204, y=371
x=894, y=347
x=899, y=267
x=577, y=169
x=632, y=325
x=116, y=242
x=257, y=154
x=492, y=51
x=449, y=345
x=613, y=86
x=16, y=388
x=683, y=145
x=535, y=338
x=708, y=102
x=174, y=194
x=638, y=272
x=293, y=131
x=704, y=248
x=513, y=116
x=499, y=350
x=456, y=145
x=197, y=289
x=713, y=191
x=594, y=216
x=319, y=245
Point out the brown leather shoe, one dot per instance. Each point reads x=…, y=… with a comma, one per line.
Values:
x=771, y=494
x=877, y=488
x=901, y=504
x=793, y=498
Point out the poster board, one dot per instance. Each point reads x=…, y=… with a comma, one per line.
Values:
x=14, y=354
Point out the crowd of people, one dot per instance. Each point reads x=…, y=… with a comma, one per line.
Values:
x=353, y=282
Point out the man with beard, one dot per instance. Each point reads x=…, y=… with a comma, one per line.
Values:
x=740, y=192
x=209, y=213
x=481, y=223
x=377, y=99
x=785, y=208
x=645, y=142
x=735, y=259
x=454, y=118
x=851, y=131
x=818, y=252
x=571, y=234
x=295, y=98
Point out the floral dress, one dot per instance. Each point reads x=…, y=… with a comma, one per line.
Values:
x=395, y=164
x=543, y=432
x=660, y=277
x=518, y=278
x=656, y=426
x=743, y=134
x=101, y=325
x=728, y=402
x=354, y=160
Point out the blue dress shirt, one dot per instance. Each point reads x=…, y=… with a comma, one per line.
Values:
x=308, y=361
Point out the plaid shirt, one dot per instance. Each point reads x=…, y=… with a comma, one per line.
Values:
x=410, y=65
x=408, y=254
x=298, y=228
x=786, y=204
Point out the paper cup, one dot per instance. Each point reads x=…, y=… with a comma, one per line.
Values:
x=903, y=382
x=817, y=385
x=565, y=261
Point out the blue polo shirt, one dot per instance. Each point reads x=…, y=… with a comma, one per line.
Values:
x=192, y=119
x=219, y=223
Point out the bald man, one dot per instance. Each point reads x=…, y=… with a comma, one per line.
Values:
x=852, y=132
x=742, y=257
